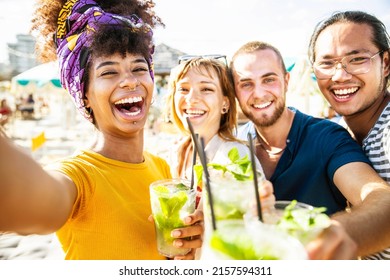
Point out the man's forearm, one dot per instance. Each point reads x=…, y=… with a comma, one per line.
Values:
x=368, y=224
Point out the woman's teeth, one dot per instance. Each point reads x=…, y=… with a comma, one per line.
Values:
x=130, y=106
x=129, y=100
x=194, y=112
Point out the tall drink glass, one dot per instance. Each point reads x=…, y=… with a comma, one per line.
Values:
x=171, y=200
x=232, y=199
x=250, y=239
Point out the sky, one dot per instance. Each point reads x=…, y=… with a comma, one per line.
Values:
x=220, y=26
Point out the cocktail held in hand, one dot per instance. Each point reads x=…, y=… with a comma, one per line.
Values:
x=242, y=233
x=299, y=220
x=232, y=187
x=251, y=239
x=172, y=200
x=282, y=237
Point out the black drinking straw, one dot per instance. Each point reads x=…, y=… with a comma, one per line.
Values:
x=253, y=161
x=193, y=160
x=200, y=149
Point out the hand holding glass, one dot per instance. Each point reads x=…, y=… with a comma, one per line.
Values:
x=172, y=200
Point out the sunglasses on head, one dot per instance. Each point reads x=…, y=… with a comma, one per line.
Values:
x=219, y=57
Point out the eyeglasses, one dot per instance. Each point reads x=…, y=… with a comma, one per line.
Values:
x=219, y=57
x=354, y=64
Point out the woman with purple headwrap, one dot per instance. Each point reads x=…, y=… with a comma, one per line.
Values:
x=97, y=200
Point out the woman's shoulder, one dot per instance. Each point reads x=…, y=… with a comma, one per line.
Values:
x=79, y=159
x=157, y=163
x=153, y=157
x=150, y=157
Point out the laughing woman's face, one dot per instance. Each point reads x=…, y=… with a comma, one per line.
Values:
x=120, y=92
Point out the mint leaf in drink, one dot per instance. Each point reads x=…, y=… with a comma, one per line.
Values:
x=233, y=154
x=239, y=167
x=303, y=223
x=238, y=247
x=181, y=186
x=171, y=206
x=169, y=216
x=236, y=243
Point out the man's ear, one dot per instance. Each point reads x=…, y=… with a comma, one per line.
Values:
x=287, y=78
x=386, y=63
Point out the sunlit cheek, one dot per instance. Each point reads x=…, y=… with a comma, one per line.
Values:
x=179, y=111
x=240, y=96
x=322, y=85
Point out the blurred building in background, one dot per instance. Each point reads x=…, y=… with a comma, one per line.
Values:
x=21, y=57
x=22, y=53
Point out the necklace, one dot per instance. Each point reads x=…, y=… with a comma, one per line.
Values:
x=270, y=152
x=262, y=145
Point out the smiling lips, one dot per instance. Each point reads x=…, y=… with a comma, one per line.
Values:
x=262, y=106
x=131, y=106
x=194, y=112
x=345, y=93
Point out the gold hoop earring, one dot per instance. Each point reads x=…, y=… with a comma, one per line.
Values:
x=89, y=110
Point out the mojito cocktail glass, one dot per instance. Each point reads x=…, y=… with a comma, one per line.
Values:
x=299, y=220
x=171, y=200
x=232, y=198
x=250, y=239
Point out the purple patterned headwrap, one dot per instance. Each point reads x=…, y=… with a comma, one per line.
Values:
x=77, y=21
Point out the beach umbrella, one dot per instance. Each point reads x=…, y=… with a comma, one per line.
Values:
x=39, y=78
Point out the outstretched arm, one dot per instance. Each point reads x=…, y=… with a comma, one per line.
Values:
x=365, y=229
x=32, y=200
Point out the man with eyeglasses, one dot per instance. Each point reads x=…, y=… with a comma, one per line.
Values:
x=351, y=61
x=309, y=159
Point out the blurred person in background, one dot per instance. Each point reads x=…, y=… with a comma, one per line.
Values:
x=5, y=112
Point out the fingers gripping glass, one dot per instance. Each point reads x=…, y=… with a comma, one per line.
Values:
x=219, y=57
x=354, y=64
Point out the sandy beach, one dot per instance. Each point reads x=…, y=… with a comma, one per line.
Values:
x=30, y=247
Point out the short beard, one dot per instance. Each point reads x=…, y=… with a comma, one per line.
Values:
x=263, y=120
